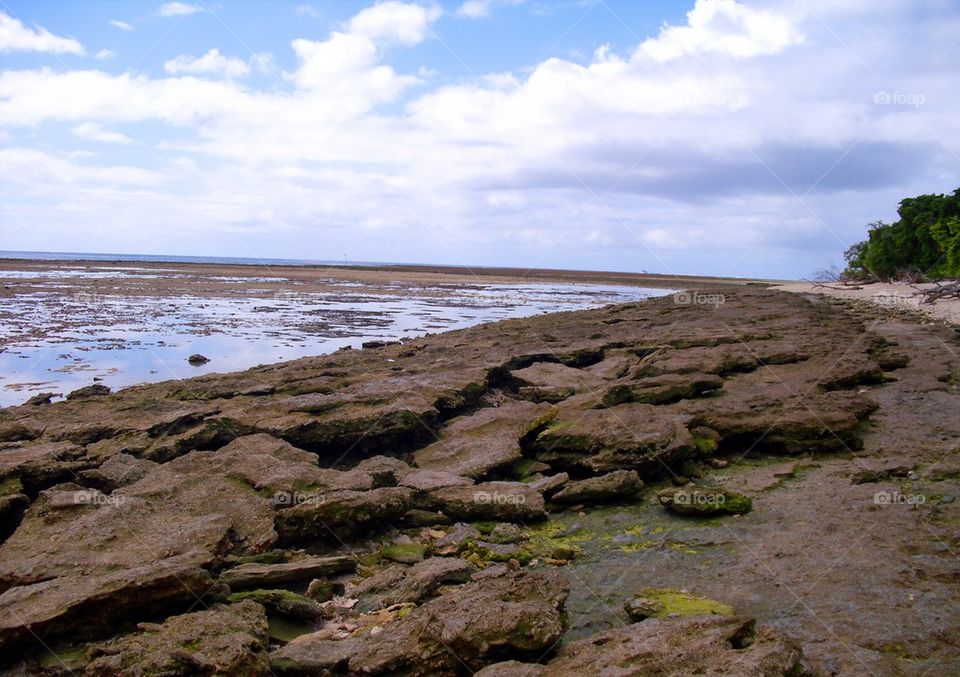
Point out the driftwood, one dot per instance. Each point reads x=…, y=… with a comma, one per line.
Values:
x=945, y=289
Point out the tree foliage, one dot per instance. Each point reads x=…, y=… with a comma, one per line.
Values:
x=925, y=241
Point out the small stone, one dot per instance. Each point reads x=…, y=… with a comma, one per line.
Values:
x=197, y=359
x=323, y=590
x=718, y=463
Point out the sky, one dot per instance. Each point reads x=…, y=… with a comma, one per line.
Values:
x=720, y=137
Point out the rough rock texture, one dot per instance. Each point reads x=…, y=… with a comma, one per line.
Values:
x=614, y=485
x=129, y=506
x=226, y=640
x=342, y=514
x=471, y=625
x=476, y=444
x=489, y=501
x=398, y=584
x=695, y=645
x=265, y=575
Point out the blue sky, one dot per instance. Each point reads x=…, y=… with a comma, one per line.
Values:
x=709, y=137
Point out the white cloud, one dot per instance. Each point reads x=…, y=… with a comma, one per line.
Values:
x=346, y=68
x=480, y=9
x=394, y=21
x=212, y=63
x=91, y=131
x=178, y=9
x=263, y=62
x=724, y=26
x=308, y=10
x=474, y=9
x=122, y=25
x=15, y=37
x=594, y=161
x=104, y=54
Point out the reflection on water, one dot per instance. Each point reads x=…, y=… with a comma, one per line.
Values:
x=55, y=341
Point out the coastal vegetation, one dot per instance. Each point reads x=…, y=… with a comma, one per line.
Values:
x=923, y=244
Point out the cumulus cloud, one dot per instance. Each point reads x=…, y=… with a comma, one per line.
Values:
x=104, y=54
x=211, y=63
x=393, y=21
x=347, y=67
x=15, y=37
x=91, y=131
x=122, y=25
x=724, y=26
x=630, y=159
x=178, y=9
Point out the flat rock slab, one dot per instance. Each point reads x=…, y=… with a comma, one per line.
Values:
x=497, y=501
x=632, y=436
x=695, y=645
x=265, y=575
x=428, y=480
x=615, y=485
x=476, y=444
x=342, y=514
x=556, y=375
x=519, y=613
x=398, y=584
x=225, y=640
x=662, y=389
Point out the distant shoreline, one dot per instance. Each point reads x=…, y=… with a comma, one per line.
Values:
x=12, y=260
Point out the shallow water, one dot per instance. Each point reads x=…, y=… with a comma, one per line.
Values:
x=56, y=340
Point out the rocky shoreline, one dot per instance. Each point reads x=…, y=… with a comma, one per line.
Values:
x=666, y=487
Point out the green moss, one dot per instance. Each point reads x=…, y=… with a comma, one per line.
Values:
x=522, y=467
x=638, y=547
x=705, y=446
x=484, y=527
x=11, y=486
x=406, y=553
x=668, y=602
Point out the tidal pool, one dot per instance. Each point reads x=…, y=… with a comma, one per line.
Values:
x=58, y=333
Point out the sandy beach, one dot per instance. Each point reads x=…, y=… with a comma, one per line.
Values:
x=896, y=296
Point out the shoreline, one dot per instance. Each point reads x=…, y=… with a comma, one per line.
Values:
x=123, y=323
x=407, y=272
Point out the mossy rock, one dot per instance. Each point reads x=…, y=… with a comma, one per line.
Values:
x=485, y=527
x=705, y=446
x=671, y=603
x=705, y=502
x=405, y=553
x=11, y=486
